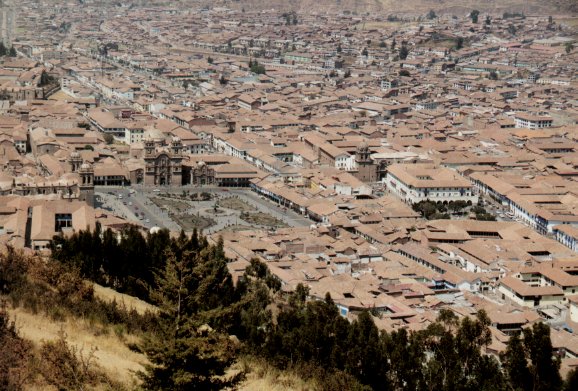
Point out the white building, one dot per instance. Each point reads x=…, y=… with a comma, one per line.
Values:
x=525, y=120
x=567, y=235
x=420, y=182
x=133, y=135
x=517, y=291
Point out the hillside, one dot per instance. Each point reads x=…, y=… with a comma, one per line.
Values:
x=110, y=349
x=528, y=7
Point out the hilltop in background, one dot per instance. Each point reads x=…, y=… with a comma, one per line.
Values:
x=457, y=7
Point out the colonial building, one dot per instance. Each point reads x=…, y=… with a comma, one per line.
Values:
x=163, y=164
x=420, y=182
x=202, y=174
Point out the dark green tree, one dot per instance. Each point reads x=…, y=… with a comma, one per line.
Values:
x=474, y=16
x=571, y=382
x=512, y=29
x=45, y=79
x=544, y=364
x=515, y=364
x=530, y=363
x=406, y=355
x=431, y=15
x=299, y=296
x=257, y=68
x=403, y=52
x=365, y=356
x=184, y=354
x=457, y=361
x=459, y=43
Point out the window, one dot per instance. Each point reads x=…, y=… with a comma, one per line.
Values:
x=62, y=220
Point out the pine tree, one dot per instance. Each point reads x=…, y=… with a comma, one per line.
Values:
x=184, y=355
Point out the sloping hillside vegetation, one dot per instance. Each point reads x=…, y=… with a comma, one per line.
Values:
x=210, y=334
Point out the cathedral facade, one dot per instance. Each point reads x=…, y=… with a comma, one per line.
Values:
x=164, y=164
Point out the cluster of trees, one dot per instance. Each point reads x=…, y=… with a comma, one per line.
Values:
x=290, y=18
x=448, y=355
x=125, y=262
x=257, y=68
x=103, y=50
x=190, y=346
x=4, y=51
x=437, y=210
x=459, y=43
x=482, y=214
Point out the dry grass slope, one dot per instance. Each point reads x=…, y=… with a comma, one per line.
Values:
x=263, y=377
x=112, y=354
x=130, y=302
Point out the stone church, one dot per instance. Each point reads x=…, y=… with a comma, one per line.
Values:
x=164, y=163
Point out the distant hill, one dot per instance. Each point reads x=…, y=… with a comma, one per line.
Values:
x=528, y=7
